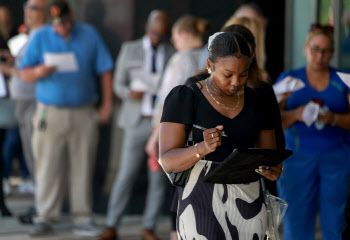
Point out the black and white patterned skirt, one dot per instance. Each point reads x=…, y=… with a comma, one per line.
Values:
x=220, y=211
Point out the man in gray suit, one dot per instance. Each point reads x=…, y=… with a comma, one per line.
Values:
x=136, y=81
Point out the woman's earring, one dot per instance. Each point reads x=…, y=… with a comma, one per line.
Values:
x=209, y=70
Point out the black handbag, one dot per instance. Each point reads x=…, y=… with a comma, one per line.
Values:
x=181, y=178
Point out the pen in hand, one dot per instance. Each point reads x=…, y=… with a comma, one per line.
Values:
x=202, y=128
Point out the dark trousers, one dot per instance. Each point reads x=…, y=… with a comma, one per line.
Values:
x=346, y=232
x=11, y=149
x=2, y=200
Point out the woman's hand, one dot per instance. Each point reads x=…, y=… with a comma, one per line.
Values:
x=299, y=113
x=283, y=101
x=292, y=116
x=152, y=143
x=212, y=138
x=328, y=117
x=272, y=173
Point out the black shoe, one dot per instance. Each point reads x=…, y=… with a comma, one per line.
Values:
x=27, y=218
x=5, y=212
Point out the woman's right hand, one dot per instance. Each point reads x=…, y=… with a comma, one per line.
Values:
x=212, y=138
x=299, y=113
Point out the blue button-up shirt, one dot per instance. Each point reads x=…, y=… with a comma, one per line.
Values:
x=69, y=89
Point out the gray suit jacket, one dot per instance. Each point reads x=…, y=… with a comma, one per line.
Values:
x=131, y=56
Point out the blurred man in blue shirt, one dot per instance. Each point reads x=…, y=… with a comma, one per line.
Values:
x=65, y=59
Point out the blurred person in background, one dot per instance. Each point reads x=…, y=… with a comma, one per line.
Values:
x=65, y=120
x=6, y=119
x=251, y=11
x=187, y=34
x=258, y=31
x=136, y=80
x=345, y=64
x=317, y=173
x=24, y=93
x=187, y=37
x=6, y=23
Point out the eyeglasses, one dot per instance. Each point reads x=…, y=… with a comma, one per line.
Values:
x=31, y=7
x=323, y=28
x=324, y=52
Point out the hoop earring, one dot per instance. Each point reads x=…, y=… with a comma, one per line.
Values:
x=209, y=70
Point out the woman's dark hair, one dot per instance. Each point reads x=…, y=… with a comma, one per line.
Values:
x=254, y=78
x=243, y=31
x=229, y=44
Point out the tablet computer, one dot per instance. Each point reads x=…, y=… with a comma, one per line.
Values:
x=239, y=167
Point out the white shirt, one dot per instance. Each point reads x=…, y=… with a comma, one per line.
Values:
x=152, y=78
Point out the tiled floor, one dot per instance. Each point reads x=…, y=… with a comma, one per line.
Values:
x=10, y=229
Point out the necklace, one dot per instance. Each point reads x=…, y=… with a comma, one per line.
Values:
x=221, y=104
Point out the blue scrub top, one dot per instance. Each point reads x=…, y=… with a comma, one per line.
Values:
x=300, y=137
x=69, y=89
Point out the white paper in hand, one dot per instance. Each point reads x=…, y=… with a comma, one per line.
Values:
x=3, y=91
x=64, y=62
x=310, y=113
x=288, y=84
x=138, y=85
x=345, y=77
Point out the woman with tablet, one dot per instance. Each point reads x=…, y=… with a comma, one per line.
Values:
x=219, y=103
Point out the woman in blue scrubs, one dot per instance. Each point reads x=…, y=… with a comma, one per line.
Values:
x=315, y=177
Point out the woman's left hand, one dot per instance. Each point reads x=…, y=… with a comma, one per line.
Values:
x=272, y=173
x=327, y=118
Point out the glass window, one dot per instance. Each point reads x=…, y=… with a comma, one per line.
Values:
x=345, y=36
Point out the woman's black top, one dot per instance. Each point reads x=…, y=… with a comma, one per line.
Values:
x=188, y=105
x=269, y=106
x=271, y=111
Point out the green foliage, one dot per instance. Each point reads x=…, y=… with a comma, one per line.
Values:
x=325, y=11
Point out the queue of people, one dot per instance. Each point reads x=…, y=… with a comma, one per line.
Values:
x=165, y=89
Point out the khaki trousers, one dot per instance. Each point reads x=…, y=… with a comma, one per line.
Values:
x=64, y=152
